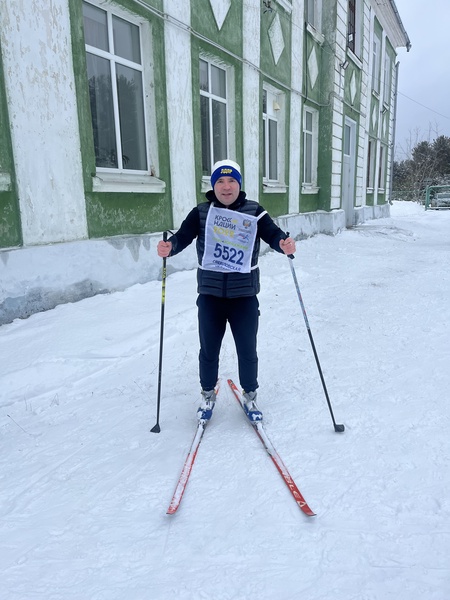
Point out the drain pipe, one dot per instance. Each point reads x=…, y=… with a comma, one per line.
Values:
x=394, y=126
x=397, y=14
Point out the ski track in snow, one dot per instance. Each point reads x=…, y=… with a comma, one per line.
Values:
x=85, y=485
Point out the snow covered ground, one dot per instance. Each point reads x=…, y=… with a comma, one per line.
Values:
x=84, y=485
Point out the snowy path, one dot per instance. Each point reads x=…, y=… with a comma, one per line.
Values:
x=84, y=486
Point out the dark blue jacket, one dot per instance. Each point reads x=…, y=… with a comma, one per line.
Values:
x=226, y=285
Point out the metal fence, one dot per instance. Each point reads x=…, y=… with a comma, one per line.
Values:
x=409, y=195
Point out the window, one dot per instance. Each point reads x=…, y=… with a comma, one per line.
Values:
x=313, y=13
x=310, y=147
x=116, y=90
x=387, y=80
x=382, y=167
x=351, y=26
x=273, y=139
x=376, y=63
x=354, y=26
x=371, y=147
x=347, y=140
x=270, y=136
x=213, y=113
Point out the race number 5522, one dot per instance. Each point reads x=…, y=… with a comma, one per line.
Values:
x=228, y=254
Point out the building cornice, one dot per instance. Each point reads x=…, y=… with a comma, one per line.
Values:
x=389, y=17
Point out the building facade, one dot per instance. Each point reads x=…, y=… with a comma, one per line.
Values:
x=112, y=113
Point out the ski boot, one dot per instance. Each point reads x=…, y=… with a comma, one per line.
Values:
x=250, y=407
x=205, y=410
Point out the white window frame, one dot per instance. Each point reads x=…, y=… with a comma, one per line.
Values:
x=371, y=161
x=310, y=141
x=230, y=117
x=275, y=113
x=382, y=161
x=376, y=64
x=354, y=37
x=387, y=88
x=313, y=13
x=119, y=179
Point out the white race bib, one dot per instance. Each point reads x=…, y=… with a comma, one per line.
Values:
x=229, y=241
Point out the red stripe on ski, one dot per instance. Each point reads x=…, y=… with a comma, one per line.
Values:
x=282, y=469
x=186, y=471
x=188, y=464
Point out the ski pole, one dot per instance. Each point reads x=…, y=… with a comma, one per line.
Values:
x=157, y=428
x=339, y=428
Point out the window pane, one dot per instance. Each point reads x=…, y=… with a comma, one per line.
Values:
x=219, y=114
x=218, y=82
x=103, y=125
x=206, y=145
x=126, y=40
x=265, y=101
x=95, y=27
x=264, y=149
x=204, y=79
x=369, y=174
x=381, y=169
x=308, y=150
x=273, y=150
x=213, y=113
x=347, y=133
x=310, y=12
x=376, y=64
x=131, y=116
x=351, y=25
x=308, y=121
x=387, y=79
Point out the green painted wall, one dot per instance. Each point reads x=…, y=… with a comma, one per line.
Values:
x=352, y=108
x=352, y=73
x=374, y=127
x=277, y=75
x=228, y=48
x=198, y=48
x=319, y=98
x=374, y=97
x=123, y=213
x=391, y=53
x=230, y=35
x=281, y=71
x=136, y=213
x=275, y=204
x=10, y=226
x=322, y=200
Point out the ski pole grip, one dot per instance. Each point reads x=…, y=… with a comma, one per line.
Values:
x=291, y=256
x=165, y=236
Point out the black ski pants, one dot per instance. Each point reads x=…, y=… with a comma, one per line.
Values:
x=243, y=315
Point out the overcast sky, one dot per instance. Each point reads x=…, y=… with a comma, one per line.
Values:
x=423, y=108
